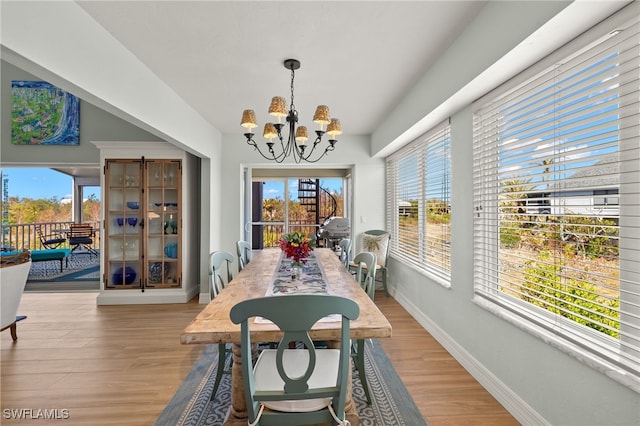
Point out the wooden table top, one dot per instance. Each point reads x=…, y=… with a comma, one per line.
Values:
x=213, y=325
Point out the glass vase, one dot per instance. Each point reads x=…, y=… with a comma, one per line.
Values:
x=296, y=271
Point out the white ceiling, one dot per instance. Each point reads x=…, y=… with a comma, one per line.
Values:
x=358, y=57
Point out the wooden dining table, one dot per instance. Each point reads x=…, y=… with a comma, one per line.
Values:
x=213, y=325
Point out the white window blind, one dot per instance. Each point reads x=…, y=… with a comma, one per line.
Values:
x=418, y=202
x=557, y=199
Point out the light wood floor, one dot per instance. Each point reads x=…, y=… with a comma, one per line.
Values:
x=120, y=365
x=443, y=391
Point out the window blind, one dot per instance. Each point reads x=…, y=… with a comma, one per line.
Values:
x=418, y=202
x=557, y=199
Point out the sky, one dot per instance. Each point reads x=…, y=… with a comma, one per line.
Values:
x=275, y=188
x=37, y=183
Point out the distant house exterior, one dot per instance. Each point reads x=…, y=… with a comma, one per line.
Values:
x=591, y=192
x=404, y=208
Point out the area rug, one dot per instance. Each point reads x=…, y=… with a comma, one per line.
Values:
x=82, y=267
x=82, y=274
x=392, y=404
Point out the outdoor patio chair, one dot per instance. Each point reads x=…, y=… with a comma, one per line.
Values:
x=81, y=235
x=49, y=241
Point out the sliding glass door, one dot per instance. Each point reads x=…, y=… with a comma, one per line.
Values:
x=282, y=205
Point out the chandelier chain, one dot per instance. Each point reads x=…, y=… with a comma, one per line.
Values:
x=293, y=107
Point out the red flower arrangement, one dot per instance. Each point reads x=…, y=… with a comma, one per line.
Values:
x=297, y=247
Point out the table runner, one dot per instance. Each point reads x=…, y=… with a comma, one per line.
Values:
x=311, y=281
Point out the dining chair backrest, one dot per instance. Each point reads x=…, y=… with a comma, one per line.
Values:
x=366, y=272
x=219, y=260
x=306, y=378
x=244, y=254
x=345, y=251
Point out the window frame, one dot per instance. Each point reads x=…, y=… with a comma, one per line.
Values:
x=617, y=358
x=439, y=138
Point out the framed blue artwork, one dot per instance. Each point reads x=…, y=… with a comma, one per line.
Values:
x=43, y=114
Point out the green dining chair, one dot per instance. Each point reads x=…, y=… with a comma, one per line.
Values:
x=244, y=254
x=377, y=241
x=218, y=261
x=366, y=277
x=306, y=385
x=345, y=251
x=365, y=270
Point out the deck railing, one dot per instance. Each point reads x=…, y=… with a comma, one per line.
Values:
x=271, y=232
x=23, y=236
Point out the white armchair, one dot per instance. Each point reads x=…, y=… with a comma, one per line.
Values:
x=14, y=270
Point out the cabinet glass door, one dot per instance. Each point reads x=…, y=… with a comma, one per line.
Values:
x=124, y=245
x=163, y=223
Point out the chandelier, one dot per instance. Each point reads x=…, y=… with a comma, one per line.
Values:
x=296, y=142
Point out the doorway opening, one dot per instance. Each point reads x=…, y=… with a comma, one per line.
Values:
x=290, y=204
x=40, y=204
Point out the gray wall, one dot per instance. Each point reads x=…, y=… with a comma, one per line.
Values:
x=95, y=125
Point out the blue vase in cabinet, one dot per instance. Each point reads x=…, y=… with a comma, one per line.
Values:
x=124, y=276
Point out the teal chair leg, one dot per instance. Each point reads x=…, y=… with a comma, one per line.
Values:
x=222, y=360
x=360, y=367
x=383, y=271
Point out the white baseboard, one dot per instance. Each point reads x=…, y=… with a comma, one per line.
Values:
x=515, y=405
x=149, y=296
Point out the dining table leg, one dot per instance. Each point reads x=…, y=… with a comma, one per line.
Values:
x=351, y=413
x=238, y=411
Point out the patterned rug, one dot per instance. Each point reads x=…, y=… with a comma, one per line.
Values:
x=82, y=274
x=82, y=267
x=392, y=404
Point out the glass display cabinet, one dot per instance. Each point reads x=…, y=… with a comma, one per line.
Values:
x=143, y=224
x=150, y=251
